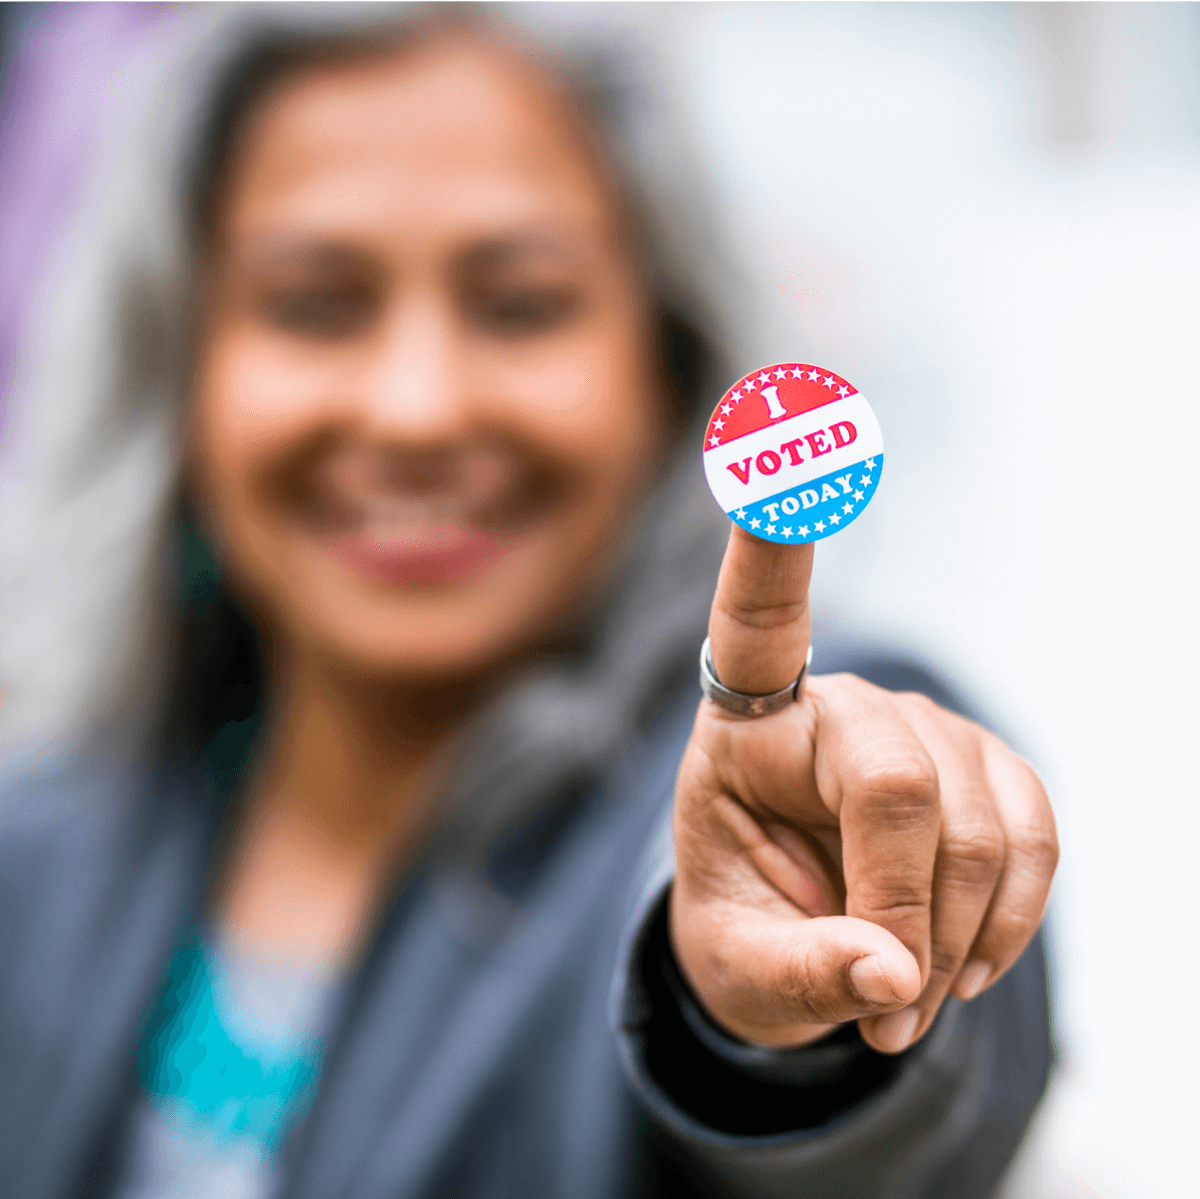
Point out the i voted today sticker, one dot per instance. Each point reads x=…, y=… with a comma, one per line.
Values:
x=793, y=453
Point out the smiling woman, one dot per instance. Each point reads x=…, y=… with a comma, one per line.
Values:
x=416, y=870
x=426, y=397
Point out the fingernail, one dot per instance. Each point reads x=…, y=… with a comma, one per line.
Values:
x=971, y=979
x=869, y=981
x=895, y=1031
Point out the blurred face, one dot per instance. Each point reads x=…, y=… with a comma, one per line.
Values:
x=424, y=404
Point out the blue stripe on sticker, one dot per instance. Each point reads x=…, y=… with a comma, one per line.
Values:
x=812, y=510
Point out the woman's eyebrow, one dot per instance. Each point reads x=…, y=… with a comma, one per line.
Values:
x=312, y=255
x=494, y=252
x=507, y=249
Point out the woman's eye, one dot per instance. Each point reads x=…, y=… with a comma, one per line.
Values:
x=513, y=313
x=319, y=312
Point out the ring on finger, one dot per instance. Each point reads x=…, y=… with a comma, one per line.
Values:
x=742, y=703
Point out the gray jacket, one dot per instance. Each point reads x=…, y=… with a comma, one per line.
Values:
x=518, y=1028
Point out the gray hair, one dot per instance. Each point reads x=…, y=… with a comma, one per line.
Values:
x=89, y=489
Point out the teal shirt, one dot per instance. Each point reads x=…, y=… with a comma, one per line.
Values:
x=228, y=1062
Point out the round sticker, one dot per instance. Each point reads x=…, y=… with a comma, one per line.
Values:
x=793, y=453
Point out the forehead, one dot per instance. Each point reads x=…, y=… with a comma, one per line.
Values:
x=459, y=133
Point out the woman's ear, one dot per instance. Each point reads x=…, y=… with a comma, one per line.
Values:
x=684, y=364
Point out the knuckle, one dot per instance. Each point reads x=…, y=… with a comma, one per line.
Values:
x=1014, y=927
x=1030, y=777
x=944, y=963
x=897, y=790
x=908, y=778
x=802, y=990
x=975, y=853
x=895, y=904
x=928, y=713
x=1038, y=845
x=919, y=700
x=759, y=617
x=856, y=685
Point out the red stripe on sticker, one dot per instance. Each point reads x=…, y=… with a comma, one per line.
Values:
x=771, y=394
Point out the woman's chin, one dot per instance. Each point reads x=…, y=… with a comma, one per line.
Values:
x=421, y=612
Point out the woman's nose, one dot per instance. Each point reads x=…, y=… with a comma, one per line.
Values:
x=414, y=388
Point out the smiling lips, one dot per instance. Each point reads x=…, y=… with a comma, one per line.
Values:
x=419, y=520
x=425, y=518
x=423, y=556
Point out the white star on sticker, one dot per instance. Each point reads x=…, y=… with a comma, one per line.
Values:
x=834, y=519
x=781, y=373
x=726, y=408
x=828, y=381
x=714, y=440
x=858, y=495
x=764, y=378
x=803, y=530
x=843, y=391
x=865, y=480
x=718, y=424
x=820, y=526
x=797, y=373
x=770, y=528
x=786, y=531
x=735, y=396
x=740, y=514
x=755, y=523
x=814, y=375
x=870, y=464
x=847, y=508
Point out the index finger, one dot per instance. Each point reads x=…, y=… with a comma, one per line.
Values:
x=760, y=626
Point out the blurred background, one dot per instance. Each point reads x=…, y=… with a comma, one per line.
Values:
x=988, y=218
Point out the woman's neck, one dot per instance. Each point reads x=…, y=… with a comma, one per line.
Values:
x=343, y=797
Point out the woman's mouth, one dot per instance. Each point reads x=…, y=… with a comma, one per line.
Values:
x=417, y=553
x=429, y=519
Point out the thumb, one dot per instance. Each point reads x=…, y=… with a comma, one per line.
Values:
x=759, y=629
x=801, y=978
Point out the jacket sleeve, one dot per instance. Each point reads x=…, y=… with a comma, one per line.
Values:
x=835, y=1120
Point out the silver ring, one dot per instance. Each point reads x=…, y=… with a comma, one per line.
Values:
x=739, y=702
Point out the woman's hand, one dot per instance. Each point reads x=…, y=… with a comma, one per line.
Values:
x=932, y=837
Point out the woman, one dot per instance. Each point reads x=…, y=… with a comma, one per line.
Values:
x=385, y=903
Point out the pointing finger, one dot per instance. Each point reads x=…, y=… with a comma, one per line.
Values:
x=760, y=627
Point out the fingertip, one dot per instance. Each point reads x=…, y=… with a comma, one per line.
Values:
x=892, y=1033
x=972, y=979
x=895, y=1031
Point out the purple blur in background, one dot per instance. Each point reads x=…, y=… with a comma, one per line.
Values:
x=68, y=67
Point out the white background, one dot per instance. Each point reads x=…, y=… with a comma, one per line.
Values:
x=988, y=219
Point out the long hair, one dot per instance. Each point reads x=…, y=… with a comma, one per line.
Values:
x=94, y=645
